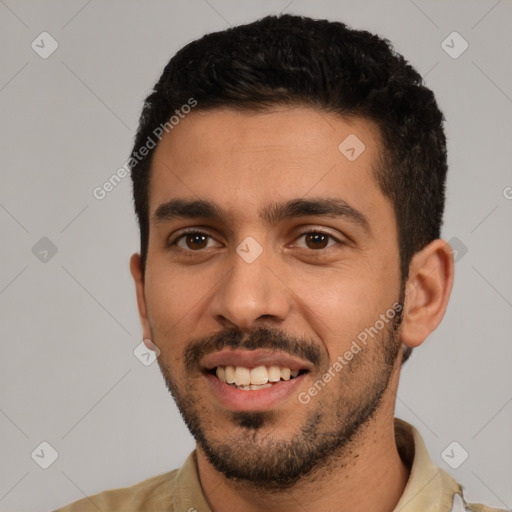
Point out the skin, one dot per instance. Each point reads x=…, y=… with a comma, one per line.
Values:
x=241, y=161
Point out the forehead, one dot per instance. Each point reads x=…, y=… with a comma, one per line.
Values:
x=242, y=159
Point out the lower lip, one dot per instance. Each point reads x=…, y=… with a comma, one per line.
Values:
x=253, y=400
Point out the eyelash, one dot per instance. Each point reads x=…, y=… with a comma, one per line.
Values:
x=196, y=232
x=184, y=234
x=319, y=232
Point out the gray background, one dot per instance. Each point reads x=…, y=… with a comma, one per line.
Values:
x=69, y=323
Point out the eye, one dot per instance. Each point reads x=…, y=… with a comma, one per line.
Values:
x=194, y=241
x=316, y=240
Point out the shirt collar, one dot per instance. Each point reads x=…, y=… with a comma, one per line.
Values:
x=187, y=492
x=428, y=489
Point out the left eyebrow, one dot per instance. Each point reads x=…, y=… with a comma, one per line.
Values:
x=327, y=207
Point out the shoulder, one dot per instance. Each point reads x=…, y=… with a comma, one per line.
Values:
x=476, y=507
x=145, y=495
x=459, y=504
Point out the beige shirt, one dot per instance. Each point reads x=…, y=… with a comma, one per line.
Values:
x=429, y=488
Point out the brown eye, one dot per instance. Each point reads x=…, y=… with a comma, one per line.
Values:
x=196, y=241
x=193, y=241
x=316, y=240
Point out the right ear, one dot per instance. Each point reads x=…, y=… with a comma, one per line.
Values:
x=138, y=278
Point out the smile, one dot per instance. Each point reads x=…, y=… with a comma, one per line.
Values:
x=253, y=379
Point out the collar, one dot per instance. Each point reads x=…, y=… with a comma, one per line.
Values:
x=428, y=489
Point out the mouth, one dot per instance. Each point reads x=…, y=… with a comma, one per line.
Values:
x=254, y=379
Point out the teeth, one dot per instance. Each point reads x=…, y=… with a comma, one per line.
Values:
x=263, y=386
x=230, y=374
x=254, y=387
x=274, y=374
x=260, y=377
x=242, y=376
x=221, y=373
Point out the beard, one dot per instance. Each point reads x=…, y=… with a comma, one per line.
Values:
x=252, y=451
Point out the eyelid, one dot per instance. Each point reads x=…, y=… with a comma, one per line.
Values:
x=338, y=239
x=171, y=241
x=175, y=237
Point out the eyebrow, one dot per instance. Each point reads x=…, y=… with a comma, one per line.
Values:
x=272, y=213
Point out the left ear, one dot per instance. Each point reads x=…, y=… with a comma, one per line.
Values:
x=427, y=292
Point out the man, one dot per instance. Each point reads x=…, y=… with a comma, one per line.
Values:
x=290, y=216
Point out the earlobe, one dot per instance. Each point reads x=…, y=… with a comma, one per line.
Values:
x=138, y=278
x=427, y=292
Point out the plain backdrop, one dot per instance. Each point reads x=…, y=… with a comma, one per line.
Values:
x=69, y=322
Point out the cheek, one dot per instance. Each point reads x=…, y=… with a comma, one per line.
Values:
x=341, y=305
x=171, y=293
x=168, y=303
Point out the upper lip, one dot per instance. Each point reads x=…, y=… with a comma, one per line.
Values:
x=253, y=358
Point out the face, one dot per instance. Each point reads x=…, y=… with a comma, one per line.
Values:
x=272, y=286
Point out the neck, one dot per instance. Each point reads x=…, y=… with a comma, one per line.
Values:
x=370, y=476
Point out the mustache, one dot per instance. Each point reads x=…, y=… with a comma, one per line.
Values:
x=262, y=337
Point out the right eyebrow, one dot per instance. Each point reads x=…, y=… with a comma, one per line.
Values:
x=181, y=208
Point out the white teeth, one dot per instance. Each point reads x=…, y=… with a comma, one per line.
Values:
x=230, y=374
x=254, y=387
x=274, y=374
x=242, y=376
x=262, y=386
x=221, y=373
x=259, y=375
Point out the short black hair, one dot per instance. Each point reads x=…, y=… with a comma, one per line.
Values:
x=297, y=60
x=287, y=60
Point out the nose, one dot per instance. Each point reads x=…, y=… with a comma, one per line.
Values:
x=251, y=295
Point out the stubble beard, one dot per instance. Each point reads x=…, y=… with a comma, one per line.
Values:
x=251, y=454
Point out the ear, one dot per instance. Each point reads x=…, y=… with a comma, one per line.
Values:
x=427, y=292
x=138, y=277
